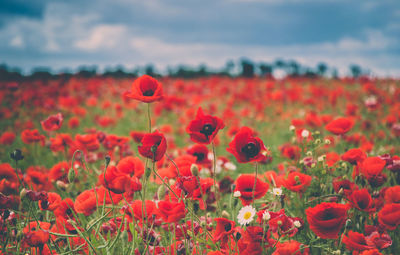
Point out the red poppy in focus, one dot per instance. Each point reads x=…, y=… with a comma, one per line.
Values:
x=171, y=211
x=389, y=216
x=362, y=200
x=245, y=184
x=372, y=168
x=145, y=89
x=52, y=123
x=204, y=128
x=154, y=146
x=51, y=203
x=247, y=148
x=297, y=182
x=340, y=126
x=327, y=219
x=354, y=155
x=7, y=138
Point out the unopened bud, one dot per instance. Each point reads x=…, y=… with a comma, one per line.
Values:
x=16, y=155
x=23, y=192
x=225, y=214
x=107, y=158
x=71, y=175
x=61, y=185
x=327, y=141
x=279, y=222
x=161, y=192
x=309, y=153
x=147, y=172
x=317, y=141
x=194, y=169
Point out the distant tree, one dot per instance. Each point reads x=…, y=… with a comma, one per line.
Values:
x=86, y=71
x=266, y=69
x=247, y=68
x=355, y=70
x=294, y=68
x=322, y=68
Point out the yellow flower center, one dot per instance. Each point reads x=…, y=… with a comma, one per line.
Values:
x=247, y=215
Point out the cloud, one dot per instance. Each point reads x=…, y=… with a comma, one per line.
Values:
x=102, y=37
x=17, y=42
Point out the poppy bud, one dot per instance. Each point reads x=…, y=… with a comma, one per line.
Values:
x=161, y=191
x=107, y=159
x=71, y=175
x=194, y=169
x=147, y=172
x=16, y=155
x=225, y=214
x=23, y=192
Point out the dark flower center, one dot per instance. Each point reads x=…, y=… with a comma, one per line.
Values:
x=148, y=93
x=199, y=156
x=329, y=215
x=227, y=227
x=248, y=190
x=250, y=150
x=207, y=130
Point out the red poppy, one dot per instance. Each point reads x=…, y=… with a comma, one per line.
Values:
x=51, y=203
x=60, y=172
x=145, y=89
x=137, y=136
x=65, y=210
x=291, y=247
x=32, y=136
x=389, y=216
x=154, y=146
x=223, y=229
x=340, y=125
x=372, y=168
x=87, y=142
x=327, y=219
x=131, y=166
x=247, y=148
x=7, y=138
x=379, y=240
x=36, y=235
x=88, y=200
x=362, y=200
x=371, y=252
x=297, y=182
x=356, y=241
x=290, y=151
x=119, y=182
x=252, y=239
x=354, y=155
x=171, y=211
x=8, y=173
x=392, y=195
x=344, y=185
x=136, y=207
x=204, y=128
x=60, y=142
x=53, y=122
x=245, y=184
x=200, y=151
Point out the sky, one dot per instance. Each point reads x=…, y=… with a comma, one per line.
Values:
x=64, y=35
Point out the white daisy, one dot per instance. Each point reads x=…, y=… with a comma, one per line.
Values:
x=297, y=224
x=277, y=191
x=230, y=166
x=246, y=215
x=305, y=133
x=266, y=216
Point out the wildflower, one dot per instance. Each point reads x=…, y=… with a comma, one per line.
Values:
x=246, y=215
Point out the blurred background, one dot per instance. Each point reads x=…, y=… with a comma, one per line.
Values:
x=329, y=37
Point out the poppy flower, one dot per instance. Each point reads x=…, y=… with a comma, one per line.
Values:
x=355, y=241
x=204, y=128
x=340, y=125
x=60, y=172
x=52, y=123
x=87, y=201
x=154, y=146
x=200, y=151
x=291, y=247
x=136, y=208
x=36, y=234
x=171, y=211
x=389, y=216
x=379, y=240
x=145, y=89
x=60, y=142
x=131, y=166
x=354, y=155
x=247, y=148
x=362, y=200
x=51, y=203
x=371, y=169
x=87, y=142
x=223, y=229
x=392, y=195
x=371, y=252
x=297, y=182
x=119, y=182
x=245, y=184
x=32, y=136
x=327, y=219
x=342, y=184
x=7, y=138
x=8, y=173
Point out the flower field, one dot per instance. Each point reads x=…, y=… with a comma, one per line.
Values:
x=212, y=165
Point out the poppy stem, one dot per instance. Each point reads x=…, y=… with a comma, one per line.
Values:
x=255, y=182
x=215, y=175
x=149, y=116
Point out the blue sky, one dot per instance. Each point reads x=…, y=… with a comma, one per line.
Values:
x=68, y=34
